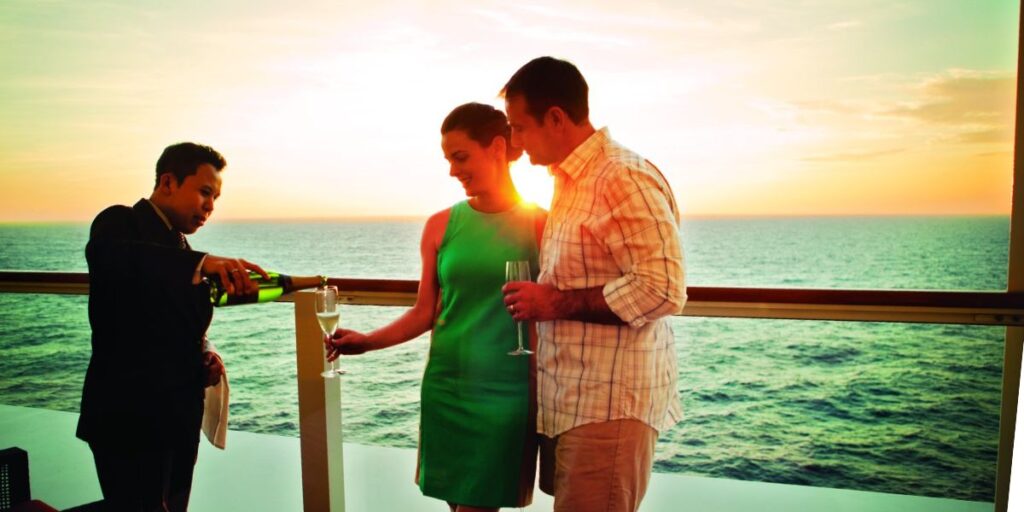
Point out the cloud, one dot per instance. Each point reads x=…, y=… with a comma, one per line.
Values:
x=603, y=23
x=962, y=97
x=608, y=15
x=996, y=135
x=853, y=157
x=526, y=29
x=1006, y=154
x=977, y=104
x=839, y=107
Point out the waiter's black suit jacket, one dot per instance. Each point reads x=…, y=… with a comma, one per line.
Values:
x=144, y=385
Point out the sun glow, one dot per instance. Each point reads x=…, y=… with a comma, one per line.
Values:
x=533, y=182
x=344, y=99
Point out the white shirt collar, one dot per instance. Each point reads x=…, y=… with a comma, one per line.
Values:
x=160, y=214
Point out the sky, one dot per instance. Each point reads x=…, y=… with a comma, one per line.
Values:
x=332, y=109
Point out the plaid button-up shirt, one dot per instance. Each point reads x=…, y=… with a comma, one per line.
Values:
x=614, y=224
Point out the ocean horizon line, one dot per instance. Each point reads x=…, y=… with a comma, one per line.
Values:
x=423, y=218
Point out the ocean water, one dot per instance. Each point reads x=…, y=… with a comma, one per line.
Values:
x=899, y=408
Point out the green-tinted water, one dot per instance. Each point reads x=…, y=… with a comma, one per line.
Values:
x=900, y=408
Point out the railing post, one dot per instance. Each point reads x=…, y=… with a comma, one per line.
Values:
x=323, y=474
x=1014, y=283
x=1008, y=416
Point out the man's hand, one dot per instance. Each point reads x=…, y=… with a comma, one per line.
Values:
x=214, y=367
x=527, y=301
x=234, y=273
x=346, y=342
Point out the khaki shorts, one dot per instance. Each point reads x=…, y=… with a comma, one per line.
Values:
x=599, y=466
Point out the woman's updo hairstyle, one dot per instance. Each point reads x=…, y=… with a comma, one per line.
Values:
x=482, y=123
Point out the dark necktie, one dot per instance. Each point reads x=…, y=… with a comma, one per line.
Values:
x=182, y=243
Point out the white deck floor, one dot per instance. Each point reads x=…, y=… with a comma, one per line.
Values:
x=260, y=472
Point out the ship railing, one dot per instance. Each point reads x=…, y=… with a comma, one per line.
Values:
x=319, y=398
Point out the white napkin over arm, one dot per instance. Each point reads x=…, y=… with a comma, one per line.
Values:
x=215, y=413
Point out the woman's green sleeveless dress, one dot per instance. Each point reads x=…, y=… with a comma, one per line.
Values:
x=477, y=418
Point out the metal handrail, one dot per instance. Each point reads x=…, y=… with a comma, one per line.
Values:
x=920, y=306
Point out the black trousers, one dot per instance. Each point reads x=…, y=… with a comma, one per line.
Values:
x=136, y=479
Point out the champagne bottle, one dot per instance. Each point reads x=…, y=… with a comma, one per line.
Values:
x=269, y=289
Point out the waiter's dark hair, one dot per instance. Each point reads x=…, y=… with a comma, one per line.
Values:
x=183, y=160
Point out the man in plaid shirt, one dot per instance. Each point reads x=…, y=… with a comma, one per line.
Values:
x=611, y=273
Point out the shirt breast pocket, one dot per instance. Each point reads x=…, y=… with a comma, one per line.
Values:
x=562, y=248
x=576, y=253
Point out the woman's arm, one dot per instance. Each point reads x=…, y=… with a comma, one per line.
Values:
x=415, y=321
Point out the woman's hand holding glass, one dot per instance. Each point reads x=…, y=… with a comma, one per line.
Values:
x=328, y=315
x=346, y=342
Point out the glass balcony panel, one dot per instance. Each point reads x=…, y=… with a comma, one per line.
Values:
x=890, y=408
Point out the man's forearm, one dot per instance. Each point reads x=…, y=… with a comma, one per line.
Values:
x=586, y=305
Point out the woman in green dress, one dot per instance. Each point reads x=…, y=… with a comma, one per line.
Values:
x=477, y=449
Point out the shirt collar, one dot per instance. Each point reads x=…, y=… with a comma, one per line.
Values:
x=574, y=164
x=160, y=214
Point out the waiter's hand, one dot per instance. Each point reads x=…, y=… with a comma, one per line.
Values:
x=234, y=273
x=213, y=365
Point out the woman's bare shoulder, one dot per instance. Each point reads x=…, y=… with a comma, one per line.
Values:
x=433, y=230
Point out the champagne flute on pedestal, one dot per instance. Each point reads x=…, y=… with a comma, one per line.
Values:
x=327, y=315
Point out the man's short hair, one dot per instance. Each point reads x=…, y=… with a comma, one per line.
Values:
x=547, y=82
x=183, y=160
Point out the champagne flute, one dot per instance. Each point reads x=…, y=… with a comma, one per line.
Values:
x=518, y=270
x=327, y=314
